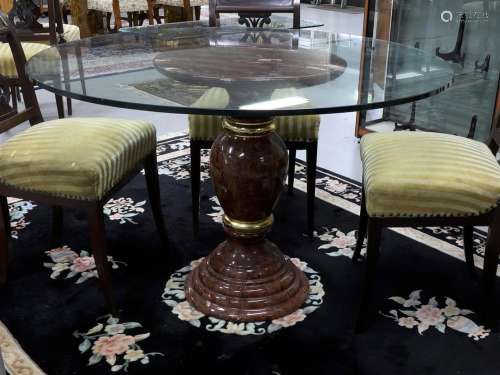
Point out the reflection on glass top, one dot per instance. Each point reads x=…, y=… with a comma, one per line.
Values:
x=239, y=72
x=278, y=21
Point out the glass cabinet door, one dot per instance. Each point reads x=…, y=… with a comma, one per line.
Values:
x=464, y=33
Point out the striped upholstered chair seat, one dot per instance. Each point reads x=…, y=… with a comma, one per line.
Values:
x=409, y=174
x=7, y=65
x=290, y=128
x=75, y=158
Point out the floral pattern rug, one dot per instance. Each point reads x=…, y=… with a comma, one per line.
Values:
x=53, y=318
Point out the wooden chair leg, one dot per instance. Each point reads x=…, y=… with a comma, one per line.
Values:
x=157, y=15
x=14, y=97
x=362, y=226
x=292, y=155
x=70, y=106
x=195, y=184
x=60, y=106
x=108, y=21
x=197, y=13
x=372, y=255
x=98, y=245
x=469, y=248
x=5, y=231
x=491, y=253
x=81, y=74
x=152, y=181
x=490, y=265
x=57, y=224
x=311, y=160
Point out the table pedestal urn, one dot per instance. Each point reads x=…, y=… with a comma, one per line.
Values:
x=247, y=278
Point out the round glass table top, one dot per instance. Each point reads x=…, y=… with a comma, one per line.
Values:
x=239, y=72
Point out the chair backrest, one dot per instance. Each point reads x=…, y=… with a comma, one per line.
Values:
x=25, y=14
x=9, y=116
x=254, y=13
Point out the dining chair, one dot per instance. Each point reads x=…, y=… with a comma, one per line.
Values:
x=76, y=162
x=298, y=133
x=421, y=179
x=188, y=6
x=37, y=36
x=254, y=13
x=133, y=8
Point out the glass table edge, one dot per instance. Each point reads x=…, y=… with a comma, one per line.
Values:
x=244, y=113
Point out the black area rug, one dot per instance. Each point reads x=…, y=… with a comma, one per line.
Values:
x=424, y=301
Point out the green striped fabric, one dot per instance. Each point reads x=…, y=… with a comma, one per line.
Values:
x=408, y=174
x=291, y=128
x=7, y=65
x=77, y=158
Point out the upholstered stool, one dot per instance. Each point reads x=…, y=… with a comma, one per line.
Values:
x=420, y=179
x=298, y=132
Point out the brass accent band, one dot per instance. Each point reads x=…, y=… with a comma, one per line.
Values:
x=248, y=128
x=249, y=226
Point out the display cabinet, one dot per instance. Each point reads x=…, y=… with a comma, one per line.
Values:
x=464, y=33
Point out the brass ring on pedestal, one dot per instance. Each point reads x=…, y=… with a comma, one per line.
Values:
x=249, y=227
x=248, y=128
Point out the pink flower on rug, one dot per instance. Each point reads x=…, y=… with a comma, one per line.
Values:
x=114, y=345
x=336, y=186
x=408, y=322
x=291, y=319
x=62, y=254
x=115, y=216
x=430, y=315
x=82, y=264
x=186, y=312
x=344, y=241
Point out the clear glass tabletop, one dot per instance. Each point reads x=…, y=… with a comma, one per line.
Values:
x=278, y=21
x=239, y=72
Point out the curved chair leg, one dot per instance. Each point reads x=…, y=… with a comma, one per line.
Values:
x=195, y=184
x=4, y=239
x=491, y=253
x=108, y=21
x=363, y=222
x=372, y=255
x=98, y=245
x=70, y=106
x=311, y=159
x=469, y=248
x=490, y=266
x=292, y=155
x=60, y=106
x=151, y=172
x=57, y=224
